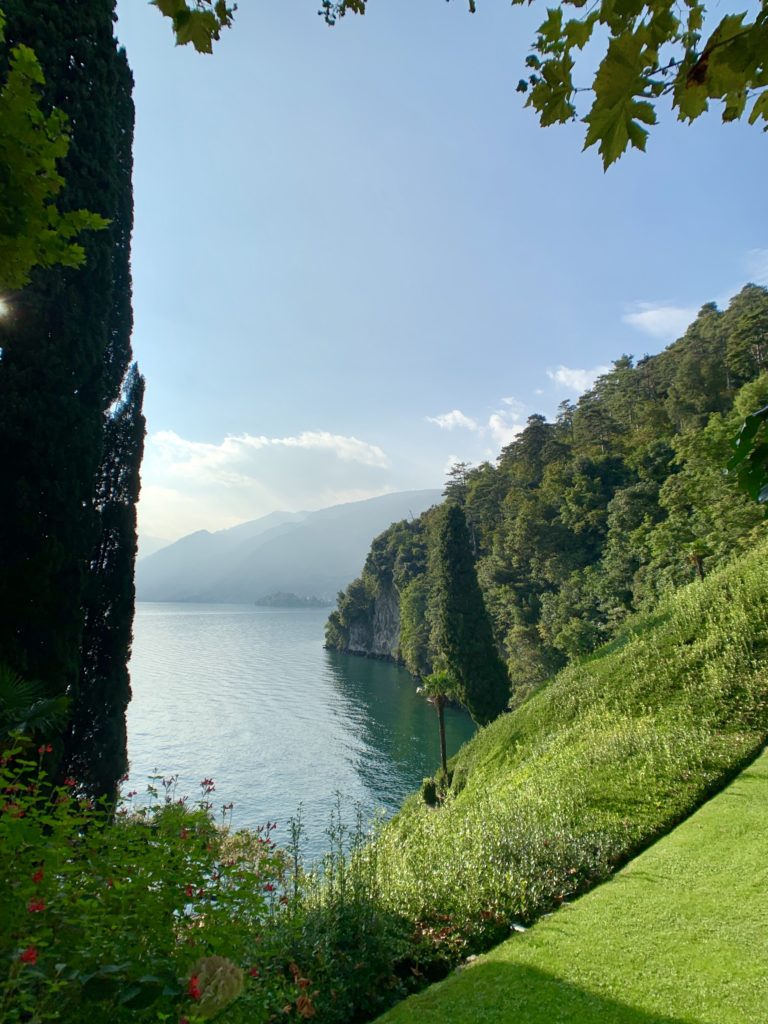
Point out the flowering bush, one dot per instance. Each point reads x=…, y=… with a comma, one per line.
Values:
x=147, y=913
x=156, y=912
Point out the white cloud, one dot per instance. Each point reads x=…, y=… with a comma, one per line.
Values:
x=192, y=485
x=757, y=265
x=234, y=454
x=515, y=407
x=501, y=428
x=453, y=419
x=503, y=425
x=660, y=321
x=574, y=379
x=450, y=462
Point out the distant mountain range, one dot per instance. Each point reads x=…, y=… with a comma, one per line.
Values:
x=311, y=554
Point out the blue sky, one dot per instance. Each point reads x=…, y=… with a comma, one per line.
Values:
x=357, y=257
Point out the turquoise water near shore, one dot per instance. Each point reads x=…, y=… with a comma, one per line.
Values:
x=247, y=696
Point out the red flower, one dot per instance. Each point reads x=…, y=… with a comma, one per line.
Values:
x=69, y=781
x=193, y=988
x=29, y=956
x=35, y=906
x=190, y=890
x=38, y=876
x=46, y=748
x=254, y=972
x=269, y=887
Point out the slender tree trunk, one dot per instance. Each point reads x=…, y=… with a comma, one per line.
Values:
x=440, y=705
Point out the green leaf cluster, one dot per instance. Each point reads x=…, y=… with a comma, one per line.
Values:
x=33, y=231
x=750, y=459
x=26, y=709
x=199, y=22
x=651, y=49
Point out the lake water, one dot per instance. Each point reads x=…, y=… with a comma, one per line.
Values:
x=247, y=696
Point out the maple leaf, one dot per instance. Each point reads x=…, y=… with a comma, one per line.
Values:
x=620, y=108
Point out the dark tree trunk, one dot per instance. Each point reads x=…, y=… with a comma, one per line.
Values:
x=440, y=707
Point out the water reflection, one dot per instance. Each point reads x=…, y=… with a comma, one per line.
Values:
x=397, y=729
x=249, y=697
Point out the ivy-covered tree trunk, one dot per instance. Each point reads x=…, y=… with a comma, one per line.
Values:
x=65, y=353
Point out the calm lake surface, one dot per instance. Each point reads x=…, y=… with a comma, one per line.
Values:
x=248, y=697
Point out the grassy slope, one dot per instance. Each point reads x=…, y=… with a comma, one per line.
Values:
x=680, y=935
x=611, y=754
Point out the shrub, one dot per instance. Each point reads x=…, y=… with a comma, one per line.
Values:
x=350, y=958
x=156, y=912
x=429, y=792
x=116, y=915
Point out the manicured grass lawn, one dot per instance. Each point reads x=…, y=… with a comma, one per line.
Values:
x=680, y=936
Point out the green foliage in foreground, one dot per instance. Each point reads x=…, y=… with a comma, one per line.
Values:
x=33, y=231
x=24, y=708
x=159, y=913
x=162, y=912
x=651, y=50
x=111, y=918
x=680, y=935
x=550, y=799
x=750, y=458
x=199, y=22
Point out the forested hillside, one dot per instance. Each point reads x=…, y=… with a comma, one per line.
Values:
x=589, y=518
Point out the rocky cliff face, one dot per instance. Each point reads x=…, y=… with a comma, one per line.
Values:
x=378, y=637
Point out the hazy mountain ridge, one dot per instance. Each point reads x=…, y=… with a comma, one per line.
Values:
x=306, y=553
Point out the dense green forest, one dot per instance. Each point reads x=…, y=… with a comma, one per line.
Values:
x=589, y=518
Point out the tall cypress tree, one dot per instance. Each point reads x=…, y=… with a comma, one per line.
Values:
x=461, y=629
x=65, y=354
x=96, y=746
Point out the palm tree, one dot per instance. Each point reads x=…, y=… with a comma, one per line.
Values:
x=438, y=688
x=24, y=708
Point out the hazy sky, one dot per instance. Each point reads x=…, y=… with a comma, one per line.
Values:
x=357, y=257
